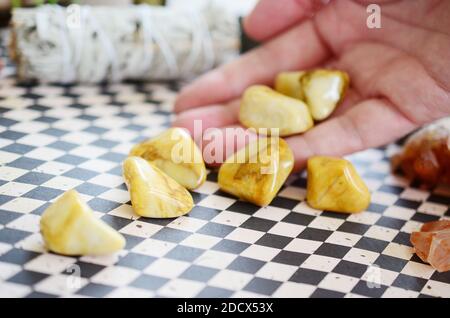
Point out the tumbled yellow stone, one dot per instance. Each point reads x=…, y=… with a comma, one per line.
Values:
x=175, y=153
x=262, y=107
x=257, y=172
x=288, y=83
x=153, y=193
x=323, y=90
x=69, y=227
x=334, y=185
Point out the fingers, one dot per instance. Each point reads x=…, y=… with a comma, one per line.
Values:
x=270, y=18
x=298, y=48
x=379, y=70
x=371, y=123
x=211, y=116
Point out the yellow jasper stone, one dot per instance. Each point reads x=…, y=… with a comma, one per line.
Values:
x=334, y=185
x=264, y=108
x=323, y=90
x=69, y=227
x=175, y=153
x=257, y=172
x=153, y=193
x=288, y=83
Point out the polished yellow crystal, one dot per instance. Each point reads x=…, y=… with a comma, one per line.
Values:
x=323, y=90
x=257, y=172
x=264, y=108
x=175, y=153
x=334, y=185
x=153, y=193
x=288, y=83
x=69, y=227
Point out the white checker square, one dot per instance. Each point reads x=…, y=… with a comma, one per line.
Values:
x=33, y=242
x=383, y=198
x=399, y=212
x=11, y=290
x=207, y=188
x=15, y=189
x=8, y=270
x=107, y=180
x=10, y=173
x=399, y=251
x=116, y=195
x=361, y=256
x=181, y=288
x=55, y=168
x=216, y=202
x=304, y=208
x=375, y=275
x=7, y=157
x=343, y=238
x=294, y=193
x=276, y=271
x=141, y=229
x=50, y=263
x=29, y=126
x=153, y=247
x=260, y=252
x=187, y=224
x=415, y=194
x=37, y=140
x=411, y=226
x=271, y=213
x=381, y=233
x=396, y=292
x=215, y=259
x=230, y=279
x=245, y=235
x=88, y=151
x=22, y=205
x=302, y=246
x=45, y=152
x=27, y=222
x=130, y=292
x=326, y=223
x=168, y=268
x=320, y=263
x=62, y=183
x=433, y=208
x=338, y=282
x=368, y=218
x=124, y=211
x=104, y=260
x=230, y=218
x=420, y=270
x=62, y=285
x=200, y=241
x=294, y=290
x=115, y=276
x=287, y=229
x=436, y=289
x=4, y=247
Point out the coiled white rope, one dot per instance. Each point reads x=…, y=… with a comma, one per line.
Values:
x=139, y=42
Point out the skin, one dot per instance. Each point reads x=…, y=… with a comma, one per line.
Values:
x=400, y=73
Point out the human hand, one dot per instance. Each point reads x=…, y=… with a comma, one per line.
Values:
x=400, y=72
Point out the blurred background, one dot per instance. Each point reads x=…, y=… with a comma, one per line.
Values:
x=240, y=7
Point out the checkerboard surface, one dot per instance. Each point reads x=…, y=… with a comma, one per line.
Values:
x=58, y=137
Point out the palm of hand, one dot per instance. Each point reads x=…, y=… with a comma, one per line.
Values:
x=399, y=72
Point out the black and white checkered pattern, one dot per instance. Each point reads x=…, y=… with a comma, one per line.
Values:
x=54, y=138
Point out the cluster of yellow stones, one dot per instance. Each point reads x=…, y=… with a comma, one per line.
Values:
x=159, y=172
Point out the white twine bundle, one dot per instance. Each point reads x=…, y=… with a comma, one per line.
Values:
x=116, y=43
